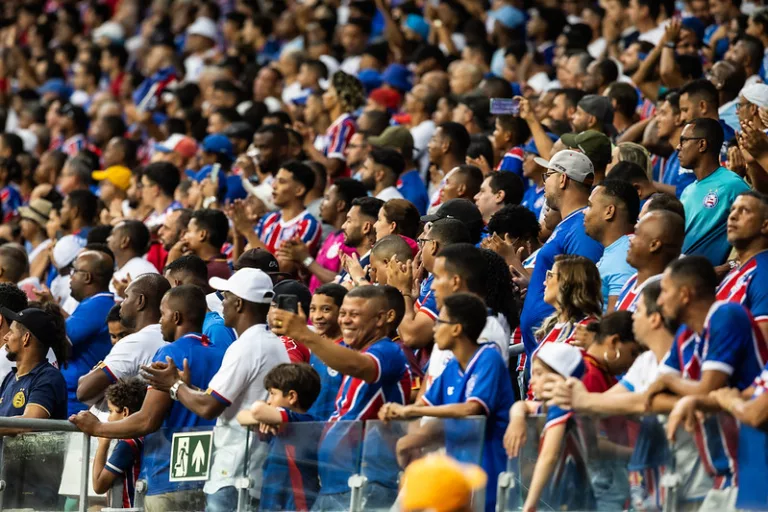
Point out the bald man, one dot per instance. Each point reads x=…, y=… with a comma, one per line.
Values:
x=87, y=327
x=657, y=242
x=140, y=314
x=182, y=311
x=391, y=246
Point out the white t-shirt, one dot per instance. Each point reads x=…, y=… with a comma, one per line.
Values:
x=642, y=373
x=496, y=330
x=136, y=266
x=129, y=354
x=238, y=383
x=421, y=134
x=389, y=193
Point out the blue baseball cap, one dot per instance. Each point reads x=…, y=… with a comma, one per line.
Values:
x=370, y=78
x=508, y=16
x=398, y=76
x=219, y=144
x=56, y=86
x=418, y=24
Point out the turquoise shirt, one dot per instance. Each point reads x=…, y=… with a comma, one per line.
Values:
x=614, y=269
x=707, y=204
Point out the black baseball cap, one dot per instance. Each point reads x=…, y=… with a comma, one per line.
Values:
x=293, y=287
x=239, y=130
x=461, y=209
x=263, y=260
x=41, y=324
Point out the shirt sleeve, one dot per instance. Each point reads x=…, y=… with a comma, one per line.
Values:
x=427, y=304
x=390, y=361
x=123, y=457
x=512, y=162
x=556, y=416
x=757, y=293
x=310, y=233
x=733, y=330
x=434, y=395
x=120, y=362
x=233, y=378
x=671, y=362
x=634, y=375
x=84, y=323
x=616, y=283
x=45, y=393
x=339, y=139
x=487, y=375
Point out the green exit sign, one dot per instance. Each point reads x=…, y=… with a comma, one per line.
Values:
x=191, y=456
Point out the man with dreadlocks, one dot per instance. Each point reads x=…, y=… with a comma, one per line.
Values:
x=344, y=95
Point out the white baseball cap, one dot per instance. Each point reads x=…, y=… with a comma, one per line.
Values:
x=249, y=284
x=565, y=359
x=573, y=164
x=66, y=250
x=205, y=27
x=756, y=94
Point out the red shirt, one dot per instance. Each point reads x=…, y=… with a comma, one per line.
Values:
x=297, y=352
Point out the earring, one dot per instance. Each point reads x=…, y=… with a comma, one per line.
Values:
x=618, y=355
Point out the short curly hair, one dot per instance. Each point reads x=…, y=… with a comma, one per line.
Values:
x=349, y=90
x=128, y=393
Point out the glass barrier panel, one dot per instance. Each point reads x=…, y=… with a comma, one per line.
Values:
x=389, y=447
x=302, y=464
x=33, y=470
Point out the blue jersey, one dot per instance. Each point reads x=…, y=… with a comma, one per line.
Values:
x=125, y=462
x=746, y=285
x=534, y=199
x=730, y=343
x=753, y=458
x=426, y=303
x=707, y=205
x=675, y=175
x=290, y=471
x=330, y=382
x=485, y=381
x=359, y=401
x=614, y=269
x=204, y=360
x=512, y=161
x=219, y=334
x=568, y=237
x=11, y=200
x=88, y=333
x=43, y=387
x=412, y=187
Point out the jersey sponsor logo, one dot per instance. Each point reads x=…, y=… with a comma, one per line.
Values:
x=19, y=400
x=332, y=372
x=711, y=199
x=333, y=251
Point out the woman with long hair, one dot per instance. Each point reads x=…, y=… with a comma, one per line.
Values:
x=573, y=287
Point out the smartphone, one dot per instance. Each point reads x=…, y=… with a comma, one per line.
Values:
x=505, y=107
x=288, y=303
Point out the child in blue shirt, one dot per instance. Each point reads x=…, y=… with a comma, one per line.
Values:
x=475, y=382
x=123, y=399
x=290, y=472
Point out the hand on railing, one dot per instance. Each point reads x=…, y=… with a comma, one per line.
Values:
x=517, y=431
x=684, y=414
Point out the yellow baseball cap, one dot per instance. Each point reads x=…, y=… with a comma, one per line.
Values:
x=118, y=175
x=441, y=484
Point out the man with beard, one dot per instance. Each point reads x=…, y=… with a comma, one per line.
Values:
x=748, y=234
x=337, y=202
x=669, y=126
x=718, y=344
x=359, y=233
x=380, y=173
x=182, y=311
x=77, y=214
x=140, y=313
x=172, y=230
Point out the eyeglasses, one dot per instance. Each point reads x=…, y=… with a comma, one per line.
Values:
x=422, y=241
x=685, y=139
x=551, y=274
x=549, y=173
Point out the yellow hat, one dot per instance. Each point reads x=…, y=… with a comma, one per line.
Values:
x=118, y=175
x=437, y=482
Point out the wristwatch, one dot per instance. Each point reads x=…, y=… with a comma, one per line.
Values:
x=175, y=389
x=308, y=261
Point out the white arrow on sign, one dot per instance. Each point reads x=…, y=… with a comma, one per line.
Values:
x=198, y=456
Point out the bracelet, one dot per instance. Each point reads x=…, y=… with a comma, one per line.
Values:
x=670, y=45
x=208, y=201
x=308, y=261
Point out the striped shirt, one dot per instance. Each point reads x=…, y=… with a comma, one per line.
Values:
x=273, y=231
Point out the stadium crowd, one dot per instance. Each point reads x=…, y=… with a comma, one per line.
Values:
x=246, y=213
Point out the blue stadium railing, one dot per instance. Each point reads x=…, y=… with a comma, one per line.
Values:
x=605, y=464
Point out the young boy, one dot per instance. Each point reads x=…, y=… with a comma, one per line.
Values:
x=475, y=382
x=293, y=388
x=123, y=399
x=117, y=330
x=324, y=315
